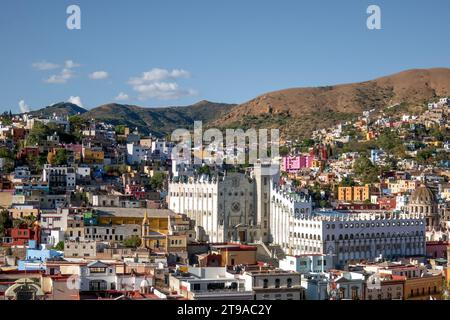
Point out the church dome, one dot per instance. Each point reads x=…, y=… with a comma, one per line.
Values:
x=423, y=195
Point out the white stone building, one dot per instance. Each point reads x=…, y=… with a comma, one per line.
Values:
x=354, y=237
x=224, y=207
x=237, y=206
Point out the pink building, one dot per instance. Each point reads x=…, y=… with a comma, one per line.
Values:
x=296, y=163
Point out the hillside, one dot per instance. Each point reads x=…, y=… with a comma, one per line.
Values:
x=299, y=111
x=158, y=121
x=296, y=112
x=60, y=109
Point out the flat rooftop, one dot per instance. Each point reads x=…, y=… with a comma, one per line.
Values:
x=133, y=212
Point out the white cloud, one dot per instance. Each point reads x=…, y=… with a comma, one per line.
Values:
x=24, y=108
x=160, y=84
x=157, y=74
x=66, y=73
x=62, y=77
x=122, y=97
x=99, y=75
x=69, y=64
x=76, y=100
x=44, y=65
x=163, y=91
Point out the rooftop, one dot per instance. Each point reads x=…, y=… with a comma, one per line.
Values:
x=133, y=212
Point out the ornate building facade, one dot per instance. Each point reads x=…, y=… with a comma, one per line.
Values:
x=236, y=206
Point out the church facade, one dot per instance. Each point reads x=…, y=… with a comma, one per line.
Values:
x=234, y=207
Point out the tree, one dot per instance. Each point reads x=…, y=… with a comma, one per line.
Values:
x=365, y=170
x=76, y=121
x=61, y=157
x=284, y=151
x=5, y=222
x=389, y=140
x=204, y=170
x=59, y=246
x=32, y=162
x=120, y=129
x=424, y=155
x=132, y=242
x=6, y=153
x=157, y=181
x=58, y=158
x=324, y=203
x=347, y=182
x=39, y=132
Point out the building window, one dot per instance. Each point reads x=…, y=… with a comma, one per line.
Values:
x=265, y=283
x=277, y=283
x=289, y=283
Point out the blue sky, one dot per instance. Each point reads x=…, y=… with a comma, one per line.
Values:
x=225, y=51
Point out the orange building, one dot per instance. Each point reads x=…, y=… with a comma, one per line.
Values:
x=234, y=254
x=354, y=194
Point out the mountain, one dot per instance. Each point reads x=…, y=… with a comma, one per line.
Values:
x=296, y=112
x=60, y=109
x=299, y=111
x=158, y=121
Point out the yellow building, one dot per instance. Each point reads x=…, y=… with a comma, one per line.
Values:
x=171, y=234
x=162, y=229
x=18, y=213
x=91, y=156
x=117, y=216
x=402, y=186
x=422, y=288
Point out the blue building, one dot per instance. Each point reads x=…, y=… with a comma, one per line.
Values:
x=36, y=257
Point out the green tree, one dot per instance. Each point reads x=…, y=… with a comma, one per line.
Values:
x=437, y=133
x=284, y=151
x=59, y=246
x=324, y=204
x=61, y=157
x=347, y=182
x=6, y=153
x=204, y=170
x=120, y=129
x=132, y=242
x=5, y=222
x=157, y=181
x=365, y=170
x=425, y=155
x=39, y=132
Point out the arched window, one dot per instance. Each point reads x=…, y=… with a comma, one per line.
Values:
x=265, y=283
x=277, y=283
x=289, y=282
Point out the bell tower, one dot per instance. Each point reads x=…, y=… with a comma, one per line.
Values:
x=145, y=230
x=265, y=174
